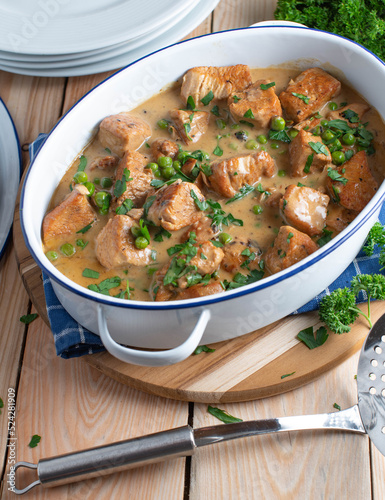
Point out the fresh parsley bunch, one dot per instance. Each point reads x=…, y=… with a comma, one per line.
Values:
x=362, y=21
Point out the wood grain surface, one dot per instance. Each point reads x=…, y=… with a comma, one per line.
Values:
x=72, y=405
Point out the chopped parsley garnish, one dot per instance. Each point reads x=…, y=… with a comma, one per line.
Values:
x=265, y=86
x=120, y=187
x=289, y=237
x=249, y=124
x=104, y=286
x=336, y=176
x=202, y=205
x=307, y=337
x=244, y=191
x=319, y=148
x=190, y=103
x=325, y=238
x=125, y=207
x=336, y=193
x=339, y=125
x=303, y=98
x=84, y=229
x=1, y=405
x=351, y=116
x=206, y=169
x=107, y=150
x=249, y=114
x=236, y=98
x=308, y=163
x=82, y=163
x=348, y=154
x=81, y=243
x=218, y=151
x=219, y=217
x=223, y=415
x=90, y=273
x=207, y=98
x=147, y=205
x=240, y=279
x=162, y=233
x=203, y=348
x=215, y=110
x=144, y=230
x=187, y=129
x=280, y=135
x=287, y=375
x=124, y=293
x=35, y=440
x=28, y=318
x=260, y=189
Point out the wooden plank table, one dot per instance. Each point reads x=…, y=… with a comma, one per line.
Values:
x=73, y=406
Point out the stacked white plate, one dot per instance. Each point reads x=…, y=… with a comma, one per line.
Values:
x=81, y=37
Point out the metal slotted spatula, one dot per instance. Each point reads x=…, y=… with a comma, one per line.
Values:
x=367, y=417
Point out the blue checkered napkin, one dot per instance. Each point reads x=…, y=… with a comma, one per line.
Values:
x=72, y=340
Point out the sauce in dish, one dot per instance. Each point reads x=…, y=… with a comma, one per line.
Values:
x=220, y=180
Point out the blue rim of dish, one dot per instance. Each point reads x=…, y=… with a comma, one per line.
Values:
x=6, y=241
x=213, y=299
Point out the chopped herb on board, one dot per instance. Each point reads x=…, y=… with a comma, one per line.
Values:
x=203, y=348
x=287, y=375
x=1, y=405
x=28, y=318
x=244, y=191
x=307, y=337
x=222, y=415
x=35, y=440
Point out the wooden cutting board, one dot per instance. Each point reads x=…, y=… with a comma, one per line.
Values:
x=263, y=363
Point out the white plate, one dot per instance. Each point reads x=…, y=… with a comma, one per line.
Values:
x=10, y=173
x=111, y=52
x=65, y=26
x=181, y=29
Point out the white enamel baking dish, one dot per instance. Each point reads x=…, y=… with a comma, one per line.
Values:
x=172, y=330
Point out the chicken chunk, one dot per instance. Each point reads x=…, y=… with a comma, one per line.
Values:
x=164, y=147
x=314, y=88
x=357, y=185
x=139, y=187
x=308, y=125
x=207, y=259
x=256, y=105
x=204, y=230
x=123, y=132
x=190, y=125
x=221, y=81
x=339, y=217
x=115, y=246
x=290, y=246
x=229, y=175
x=307, y=153
x=71, y=215
x=241, y=253
x=199, y=290
x=352, y=113
x=305, y=208
x=104, y=162
x=173, y=207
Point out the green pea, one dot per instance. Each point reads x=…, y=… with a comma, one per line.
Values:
x=293, y=132
x=335, y=146
x=221, y=124
x=91, y=188
x=136, y=231
x=278, y=123
x=96, y=180
x=281, y=173
x=80, y=177
x=225, y=238
x=176, y=165
x=141, y=242
x=251, y=144
x=324, y=122
x=67, y=249
x=317, y=130
x=327, y=135
x=182, y=155
x=262, y=139
x=348, y=139
x=164, y=161
x=103, y=211
x=274, y=145
x=333, y=106
x=338, y=157
x=100, y=198
x=257, y=209
x=163, y=124
x=51, y=255
x=168, y=172
x=106, y=182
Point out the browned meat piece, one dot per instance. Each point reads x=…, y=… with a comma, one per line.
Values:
x=341, y=114
x=139, y=187
x=123, y=132
x=204, y=230
x=233, y=260
x=229, y=175
x=339, y=217
x=308, y=124
x=199, y=290
x=174, y=207
x=360, y=186
x=115, y=246
x=190, y=125
x=188, y=166
x=301, y=148
x=315, y=85
x=74, y=213
x=270, y=200
x=304, y=208
x=136, y=213
x=163, y=147
x=199, y=81
x=104, y=162
x=290, y=246
x=263, y=104
x=207, y=259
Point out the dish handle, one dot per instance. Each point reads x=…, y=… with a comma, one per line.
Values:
x=153, y=358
